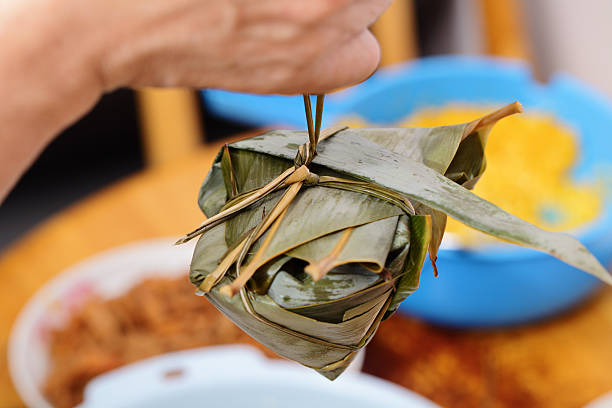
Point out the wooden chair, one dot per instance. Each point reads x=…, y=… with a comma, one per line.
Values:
x=503, y=30
x=171, y=123
x=396, y=33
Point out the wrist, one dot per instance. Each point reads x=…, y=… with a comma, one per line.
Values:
x=46, y=82
x=46, y=69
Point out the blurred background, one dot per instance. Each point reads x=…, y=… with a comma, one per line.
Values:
x=130, y=170
x=120, y=135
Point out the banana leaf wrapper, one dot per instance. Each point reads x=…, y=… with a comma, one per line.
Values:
x=350, y=245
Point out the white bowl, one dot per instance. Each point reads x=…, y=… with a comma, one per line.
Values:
x=238, y=377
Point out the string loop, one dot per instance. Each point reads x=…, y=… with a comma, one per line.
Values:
x=308, y=151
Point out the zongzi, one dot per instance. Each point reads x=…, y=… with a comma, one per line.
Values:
x=308, y=253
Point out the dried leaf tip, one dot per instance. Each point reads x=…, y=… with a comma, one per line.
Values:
x=493, y=118
x=434, y=266
x=518, y=106
x=501, y=113
x=182, y=240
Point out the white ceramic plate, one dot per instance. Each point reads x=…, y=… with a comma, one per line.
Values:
x=108, y=274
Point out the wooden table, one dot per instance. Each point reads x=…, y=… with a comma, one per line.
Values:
x=566, y=361
x=155, y=203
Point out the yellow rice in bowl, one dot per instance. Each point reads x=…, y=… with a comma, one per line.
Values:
x=529, y=160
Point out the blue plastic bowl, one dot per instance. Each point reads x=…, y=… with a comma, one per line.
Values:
x=476, y=288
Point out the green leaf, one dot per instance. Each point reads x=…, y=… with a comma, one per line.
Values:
x=262, y=280
x=255, y=170
x=292, y=292
x=250, y=217
x=229, y=177
x=212, y=193
x=308, y=217
x=208, y=252
x=328, y=348
x=401, y=237
x=469, y=163
x=456, y=151
x=420, y=236
x=286, y=344
x=434, y=147
x=349, y=153
x=331, y=297
x=377, y=234
x=438, y=226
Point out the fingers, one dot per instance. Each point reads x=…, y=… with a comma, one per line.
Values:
x=264, y=46
x=358, y=15
x=350, y=63
x=342, y=51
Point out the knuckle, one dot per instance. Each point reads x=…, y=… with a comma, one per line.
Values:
x=279, y=78
x=317, y=10
x=308, y=51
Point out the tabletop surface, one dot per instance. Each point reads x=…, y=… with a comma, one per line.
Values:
x=563, y=362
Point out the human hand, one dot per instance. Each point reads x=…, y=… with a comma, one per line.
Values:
x=59, y=56
x=265, y=46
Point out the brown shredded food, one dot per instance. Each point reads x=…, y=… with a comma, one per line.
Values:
x=523, y=367
x=157, y=316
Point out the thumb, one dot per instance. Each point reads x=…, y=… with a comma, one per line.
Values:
x=349, y=63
